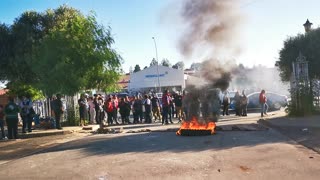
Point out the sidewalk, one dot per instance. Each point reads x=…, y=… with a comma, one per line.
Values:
x=303, y=130
x=51, y=132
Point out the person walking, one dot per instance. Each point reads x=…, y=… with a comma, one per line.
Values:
x=11, y=111
x=58, y=110
x=263, y=103
x=155, y=102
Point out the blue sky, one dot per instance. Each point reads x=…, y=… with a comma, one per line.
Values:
x=134, y=22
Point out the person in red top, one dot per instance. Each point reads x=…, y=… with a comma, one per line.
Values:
x=165, y=107
x=115, y=103
x=2, y=122
x=109, y=109
x=263, y=103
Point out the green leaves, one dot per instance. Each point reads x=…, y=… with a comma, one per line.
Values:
x=60, y=51
x=308, y=44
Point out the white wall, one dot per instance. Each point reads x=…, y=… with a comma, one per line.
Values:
x=148, y=78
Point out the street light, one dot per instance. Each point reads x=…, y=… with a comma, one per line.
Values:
x=307, y=26
x=155, y=45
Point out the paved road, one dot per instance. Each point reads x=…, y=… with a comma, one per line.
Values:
x=163, y=155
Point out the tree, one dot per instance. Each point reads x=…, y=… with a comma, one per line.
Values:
x=195, y=66
x=165, y=62
x=308, y=44
x=145, y=67
x=179, y=65
x=137, y=68
x=154, y=62
x=85, y=61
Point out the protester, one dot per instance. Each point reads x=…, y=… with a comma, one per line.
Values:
x=124, y=108
x=147, y=106
x=58, y=110
x=127, y=109
x=244, y=104
x=237, y=103
x=178, y=104
x=26, y=113
x=263, y=103
x=165, y=107
x=156, y=107
x=115, y=104
x=92, y=110
x=137, y=110
x=3, y=136
x=109, y=109
x=225, y=103
x=83, y=109
x=11, y=111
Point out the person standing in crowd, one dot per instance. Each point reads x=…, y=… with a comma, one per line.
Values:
x=109, y=109
x=127, y=109
x=263, y=103
x=26, y=113
x=3, y=136
x=172, y=106
x=82, y=102
x=137, y=110
x=115, y=104
x=124, y=109
x=155, y=102
x=11, y=111
x=237, y=103
x=178, y=104
x=92, y=110
x=165, y=107
x=225, y=103
x=96, y=107
x=147, y=106
x=244, y=104
x=57, y=107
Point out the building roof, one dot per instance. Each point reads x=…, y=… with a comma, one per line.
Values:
x=3, y=91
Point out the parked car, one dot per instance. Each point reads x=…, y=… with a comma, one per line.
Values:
x=275, y=101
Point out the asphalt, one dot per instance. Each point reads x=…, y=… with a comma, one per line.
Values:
x=260, y=153
x=303, y=130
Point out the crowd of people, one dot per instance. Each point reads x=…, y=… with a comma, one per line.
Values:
x=144, y=108
x=98, y=109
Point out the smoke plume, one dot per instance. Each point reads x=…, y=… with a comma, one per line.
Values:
x=212, y=29
x=213, y=25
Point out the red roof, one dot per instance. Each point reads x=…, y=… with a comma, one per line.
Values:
x=3, y=91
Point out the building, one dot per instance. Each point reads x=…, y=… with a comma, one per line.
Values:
x=155, y=78
x=3, y=97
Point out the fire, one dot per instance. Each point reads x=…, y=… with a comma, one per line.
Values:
x=194, y=124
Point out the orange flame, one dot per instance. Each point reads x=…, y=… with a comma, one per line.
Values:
x=194, y=124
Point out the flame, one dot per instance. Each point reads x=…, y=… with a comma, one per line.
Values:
x=194, y=124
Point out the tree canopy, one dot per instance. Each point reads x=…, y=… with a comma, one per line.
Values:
x=178, y=65
x=59, y=51
x=166, y=62
x=137, y=68
x=308, y=44
x=153, y=62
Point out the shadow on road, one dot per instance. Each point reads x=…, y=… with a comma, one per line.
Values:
x=108, y=144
